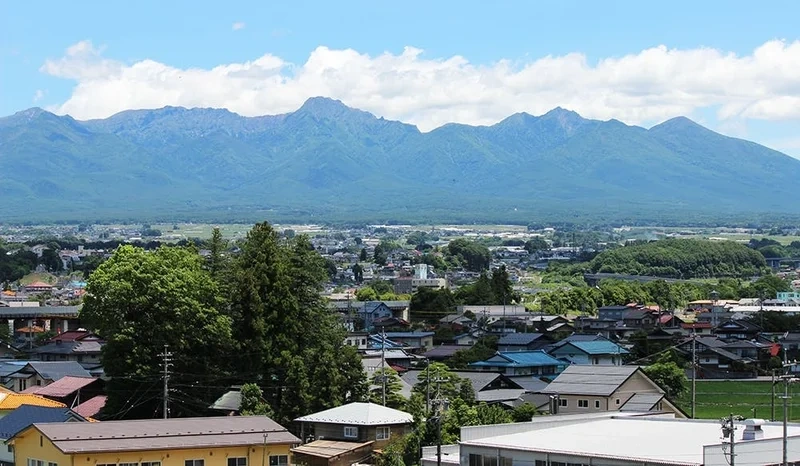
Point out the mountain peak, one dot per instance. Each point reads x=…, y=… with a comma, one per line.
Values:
x=680, y=123
x=324, y=107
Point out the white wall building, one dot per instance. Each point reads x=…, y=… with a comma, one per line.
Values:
x=620, y=439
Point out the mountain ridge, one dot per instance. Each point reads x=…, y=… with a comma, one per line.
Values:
x=327, y=160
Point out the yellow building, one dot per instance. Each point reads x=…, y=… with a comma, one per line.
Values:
x=211, y=441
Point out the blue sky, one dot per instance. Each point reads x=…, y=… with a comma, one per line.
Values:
x=471, y=61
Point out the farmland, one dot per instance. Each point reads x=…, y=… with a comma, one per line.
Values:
x=749, y=399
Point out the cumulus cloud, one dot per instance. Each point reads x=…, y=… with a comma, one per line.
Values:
x=38, y=95
x=237, y=26
x=649, y=86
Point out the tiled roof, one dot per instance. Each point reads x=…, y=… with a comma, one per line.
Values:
x=444, y=351
x=92, y=406
x=26, y=415
x=165, y=434
x=15, y=400
x=65, y=386
x=359, y=414
x=590, y=380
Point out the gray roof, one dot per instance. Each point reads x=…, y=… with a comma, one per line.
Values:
x=479, y=379
x=519, y=339
x=590, y=380
x=642, y=402
x=164, y=434
x=359, y=414
x=54, y=370
x=501, y=394
x=26, y=415
x=230, y=401
x=38, y=312
x=444, y=351
x=530, y=384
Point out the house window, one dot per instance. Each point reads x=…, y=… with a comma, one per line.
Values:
x=33, y=462
x=562, y=402
x=583, y=403
x=350, y=432
x=278, y=460
x=151, y=463
x=242, y=461
x=194, y=463
x=382, y=433
x=107, y=464
x=595, y=360
x=128, y=464
x=597, y=404
x=22, y=384
x=617, y=401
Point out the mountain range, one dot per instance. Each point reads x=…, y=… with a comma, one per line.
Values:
x=327, y=161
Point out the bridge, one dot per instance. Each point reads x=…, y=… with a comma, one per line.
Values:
x=775, y=262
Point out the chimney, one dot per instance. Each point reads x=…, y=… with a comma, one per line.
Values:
x=752, y=429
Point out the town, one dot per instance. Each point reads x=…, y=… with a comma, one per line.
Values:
x=395, y=345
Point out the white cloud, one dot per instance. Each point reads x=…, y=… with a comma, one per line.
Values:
x=237, y=26
x=38, y=95
x=649, y=86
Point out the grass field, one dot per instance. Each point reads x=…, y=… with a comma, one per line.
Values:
x=718, y=399
x=37, y=277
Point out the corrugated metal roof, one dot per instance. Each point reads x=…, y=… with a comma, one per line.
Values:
x=58, y=369
x=590, y=380
x=15, y=400
x=65, y=386
x=359, y=414
x=642, y=402
x=501, y=394
x=91, y=407
x=331, y=448
x=161, y=434
x=536, y=358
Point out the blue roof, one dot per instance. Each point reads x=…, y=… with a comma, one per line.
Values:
x=597, y=347
x=26, y=415
x=409, y=334
x=536, y=358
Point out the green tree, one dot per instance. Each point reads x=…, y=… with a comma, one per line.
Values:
x=367, y=293
x=358, y=273
x=471, y=255
x=501, y=286
x=536, y=244
x=524, y=412
x=295, y=345
x=139, y=302
x=216, y=260
x=492, y=414
x=431, y=304
x=443, y=382
x=394, y=397
x=363, y=256
x=669, y=376
x=253, y=403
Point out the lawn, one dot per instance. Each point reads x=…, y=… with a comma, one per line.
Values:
x=716, y=399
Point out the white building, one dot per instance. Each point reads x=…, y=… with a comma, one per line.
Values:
x=619, y=439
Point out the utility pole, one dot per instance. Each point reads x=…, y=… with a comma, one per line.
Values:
x=729, y=431
x=440, y=406
x=427, y=387
x=383, y=365
x=694, y=369
x=167, y=362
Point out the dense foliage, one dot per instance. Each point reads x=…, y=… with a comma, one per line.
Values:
x=681, y=258
x=269, y=327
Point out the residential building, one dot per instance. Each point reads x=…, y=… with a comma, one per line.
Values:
x=37, y=373
x=481, y=381
x=587, y=389
x=443, y=352
x=737, y=330
x=11, y=401
x=357, y=339
x=79, y=346
x=22, y=417
x=620, y=439
x=601, y=352
x=349, y=434
x=513, y=363
x=413, y=340
x=92, y=406
x=229, y=403
x=228, y=440
x=612, y=313
x=432, y=283
x=69, y=390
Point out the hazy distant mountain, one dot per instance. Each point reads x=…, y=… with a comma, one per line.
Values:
x=329, y=161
